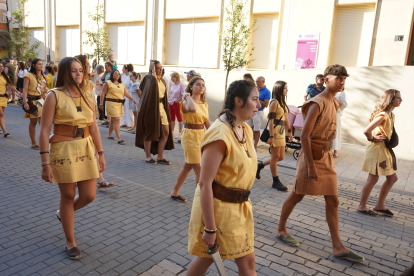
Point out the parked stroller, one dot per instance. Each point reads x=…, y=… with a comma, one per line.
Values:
x=296, y=122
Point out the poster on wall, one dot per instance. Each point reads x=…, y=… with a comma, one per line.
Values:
x=306, y=51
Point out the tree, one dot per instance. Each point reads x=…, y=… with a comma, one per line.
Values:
x=19, y=37
x=235, y=36
x=98, y=40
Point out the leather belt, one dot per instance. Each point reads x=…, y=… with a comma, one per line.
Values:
x=231, y=195
x=34, y=98
x=116, y=100
x=67, y=133
x=4, y=95
x=162, y=100
x=280, y=123
x=194, y=126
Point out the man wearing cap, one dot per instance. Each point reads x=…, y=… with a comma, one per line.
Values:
x=264, y=98
x=191, y=74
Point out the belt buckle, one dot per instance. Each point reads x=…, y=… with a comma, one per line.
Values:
x=245, y=196
x=80, y=132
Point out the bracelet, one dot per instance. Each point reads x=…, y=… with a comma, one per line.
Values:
x=271, y=136
x=210, y=231
x=42, y=152
x=289, y=130
x=45, y=164
x=100, y=152
x=100, y=104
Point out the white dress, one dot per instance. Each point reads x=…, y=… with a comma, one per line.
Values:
x=126, y=119
x=336, y=144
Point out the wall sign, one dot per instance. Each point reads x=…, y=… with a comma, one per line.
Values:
x=306, y=51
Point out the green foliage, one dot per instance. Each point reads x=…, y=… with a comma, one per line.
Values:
x=19, y=37
x=235, y=37
x=98, y=40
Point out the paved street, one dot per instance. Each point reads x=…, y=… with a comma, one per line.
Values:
x=136, y=229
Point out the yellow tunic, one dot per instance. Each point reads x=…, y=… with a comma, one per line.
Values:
x=234, y=220
x=279, y=140
x=49, y=81
x=73, y=161
x=161, y=89
x=3, y=83
x=191, y=138
x=378, y=160
x=115, y=91
x=34, y=91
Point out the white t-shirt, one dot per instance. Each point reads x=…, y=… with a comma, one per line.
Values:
x=22, y=73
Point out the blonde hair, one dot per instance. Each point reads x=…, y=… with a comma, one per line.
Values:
x=110, y=55
x=175, y=74
x=384, y=102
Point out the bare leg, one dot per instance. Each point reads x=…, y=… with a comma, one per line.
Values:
x=163, y=141
x=32, y=131
x=385, y=189
x=246, y=265
x=182, y=176
x=69, y=203
x=173, y=126
x=116, y=126
x=287, y=209
x=147, y=148
x=2, y=123
x=256, y=137
x=199, y=266
x=331, y=208
x=135, y=119
x=366, y=191
x=180, y=127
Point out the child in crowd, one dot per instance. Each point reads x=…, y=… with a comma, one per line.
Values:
x=113, y=62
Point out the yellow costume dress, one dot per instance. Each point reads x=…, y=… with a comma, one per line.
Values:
x=50, y=81
x=73, y=161
x=234, y=220
x=36, y=86
x=191, y=138
x=3, y=83
x=161, y=89
x=378, y=159
x=115, y=91
x=279, y=140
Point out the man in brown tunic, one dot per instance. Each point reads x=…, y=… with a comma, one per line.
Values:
x=315, y=168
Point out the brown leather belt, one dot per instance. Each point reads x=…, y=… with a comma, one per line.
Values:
x=231, y=195
x=34, y=98
x=116, y=100
x=4, y=95
x=194, y=126
x=68, y=133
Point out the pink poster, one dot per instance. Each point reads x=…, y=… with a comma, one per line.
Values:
x=307, y=50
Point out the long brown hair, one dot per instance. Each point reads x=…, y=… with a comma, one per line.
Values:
x=277, y=93
x=191, y=83
x=64, y=78
x=384, y=103
x=82, y=59
x=5, y=75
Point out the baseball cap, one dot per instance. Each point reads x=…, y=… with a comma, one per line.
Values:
x=191, y=73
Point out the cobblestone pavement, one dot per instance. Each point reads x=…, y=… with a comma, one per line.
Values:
x=136, y=229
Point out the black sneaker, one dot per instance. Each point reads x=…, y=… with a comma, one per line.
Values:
x=278, y=185
x=260, y=167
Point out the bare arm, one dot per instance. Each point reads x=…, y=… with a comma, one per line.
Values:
x=139, y=93
x=126, y=94
x=104, y=91
x=96, y=137
x=25, y=92
x=368, y=130
x=49, y=108
x=189, y=105
x=287, y=127
x=207, y=124
x=264, y=103
x=12, y=87
x=272, y=108
x=213, y=155
x=308, y=125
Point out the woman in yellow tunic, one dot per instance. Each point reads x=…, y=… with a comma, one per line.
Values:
x=315, y=168
x=221, y=210
x=71, y=161
x=115, y=90
x=278, y=122
x=49, y=76
x=4, y=80
x=195, y=115
x=34, y=90
x=379, y=159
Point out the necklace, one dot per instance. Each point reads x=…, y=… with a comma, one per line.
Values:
x=78, y=108
x=242, y=142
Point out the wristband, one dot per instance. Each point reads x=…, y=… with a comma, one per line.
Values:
x=271, y=136
x=100, y=152
x=210, y=231
x=45, y=164
x=43, y=152
x=289, y=130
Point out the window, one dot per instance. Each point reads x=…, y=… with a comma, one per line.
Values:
x=38, y=35
x=69, y=41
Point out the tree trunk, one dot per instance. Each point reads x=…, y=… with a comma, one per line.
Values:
x=227, y=78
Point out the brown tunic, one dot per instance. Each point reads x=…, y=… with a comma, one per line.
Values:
x=324, y=131
x=149, y=127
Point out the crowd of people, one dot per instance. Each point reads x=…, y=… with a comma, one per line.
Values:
x=67, y=105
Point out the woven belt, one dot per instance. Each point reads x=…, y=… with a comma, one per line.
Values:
x=231, y=195
x=3, y=95
x=116, y=100
x=194, y=126
x=67, y=133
